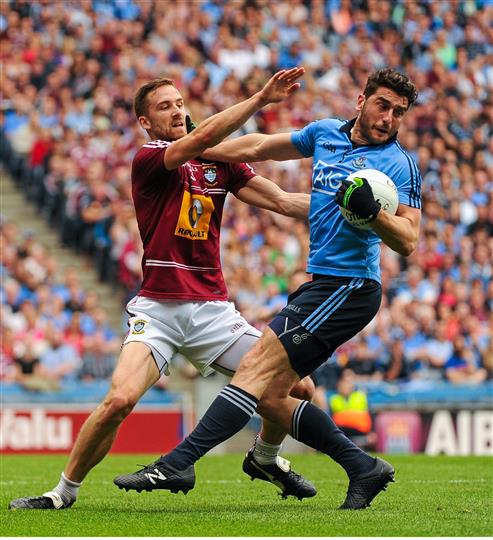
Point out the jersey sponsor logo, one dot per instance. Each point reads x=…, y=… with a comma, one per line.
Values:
x=210, y=174
x=196, y=210
x=138, y=327
x=189, y=233
x=294, y=308
x=195, y=216
x=359, y=162
x=326, y=178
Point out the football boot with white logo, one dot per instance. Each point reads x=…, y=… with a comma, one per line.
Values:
x=365, y=487
x=158, y=475
x=47, y=501
x=281, y=475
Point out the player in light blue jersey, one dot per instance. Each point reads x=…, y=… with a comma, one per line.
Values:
x=345, y=292
x=336, y=248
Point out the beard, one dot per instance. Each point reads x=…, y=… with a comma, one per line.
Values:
x=365, y=127
x=164, y=135
x=170, y=134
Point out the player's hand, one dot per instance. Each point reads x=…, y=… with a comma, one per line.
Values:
x=281, y=85
x=357, y=197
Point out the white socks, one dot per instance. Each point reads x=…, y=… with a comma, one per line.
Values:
x=67, y=489
x=265, y=453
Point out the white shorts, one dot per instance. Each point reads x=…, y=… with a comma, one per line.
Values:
x=199, y=331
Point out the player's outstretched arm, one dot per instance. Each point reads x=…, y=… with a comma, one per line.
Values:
x=264, y=193
x=255, y=147
x=214, y=129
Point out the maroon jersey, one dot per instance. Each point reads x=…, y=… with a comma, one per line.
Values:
x=179, y=215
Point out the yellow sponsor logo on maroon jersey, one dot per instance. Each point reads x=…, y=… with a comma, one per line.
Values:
x=195, y=216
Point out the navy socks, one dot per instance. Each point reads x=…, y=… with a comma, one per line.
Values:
x=228, y=413
x=315, y=428
x=232, y=410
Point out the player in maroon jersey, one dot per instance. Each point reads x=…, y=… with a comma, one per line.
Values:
x=182, y=306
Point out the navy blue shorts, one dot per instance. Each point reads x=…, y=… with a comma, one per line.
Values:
x=322, y=315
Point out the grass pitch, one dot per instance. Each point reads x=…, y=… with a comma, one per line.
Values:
x=432, y=496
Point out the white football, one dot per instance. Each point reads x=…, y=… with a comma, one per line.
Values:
x=384, y=191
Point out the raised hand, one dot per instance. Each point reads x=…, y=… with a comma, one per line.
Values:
x=281, y=85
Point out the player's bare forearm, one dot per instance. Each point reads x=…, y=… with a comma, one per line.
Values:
x=280, y=85
x=255, y=147
x=296, y=205
x=264, y=193
x=399, y=232
x=236, y=150
x=214, y=129
x=211, y=131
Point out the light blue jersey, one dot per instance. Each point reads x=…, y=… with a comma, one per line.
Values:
x=336, y=247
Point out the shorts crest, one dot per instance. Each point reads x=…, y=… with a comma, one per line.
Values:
x=138, y=327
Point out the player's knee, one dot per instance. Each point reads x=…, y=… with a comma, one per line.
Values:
x=117, y=406
x=304, y=389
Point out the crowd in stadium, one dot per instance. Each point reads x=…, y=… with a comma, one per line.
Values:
x=52, y=332
x=69, y=135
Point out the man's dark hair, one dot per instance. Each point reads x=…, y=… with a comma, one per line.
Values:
x=390, y=78
x=140, y=99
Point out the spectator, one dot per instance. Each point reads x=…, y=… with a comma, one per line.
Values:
x=29, y=373
x=396, y=367
x=349, y=410
x=362, y=361
x=463, y=367
x=437, y=349
x=41, y=329
x=98, y=358
x=8, y=368
x=26, y=358
x=73, y=335
x=59, y=361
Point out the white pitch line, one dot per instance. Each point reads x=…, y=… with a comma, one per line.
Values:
x=241, y=481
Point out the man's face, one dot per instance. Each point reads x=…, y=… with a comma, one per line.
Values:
x=380, y=115
x=165, y=118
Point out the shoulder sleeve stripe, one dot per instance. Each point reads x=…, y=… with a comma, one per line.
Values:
x=415, y=194
x=418, y=181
